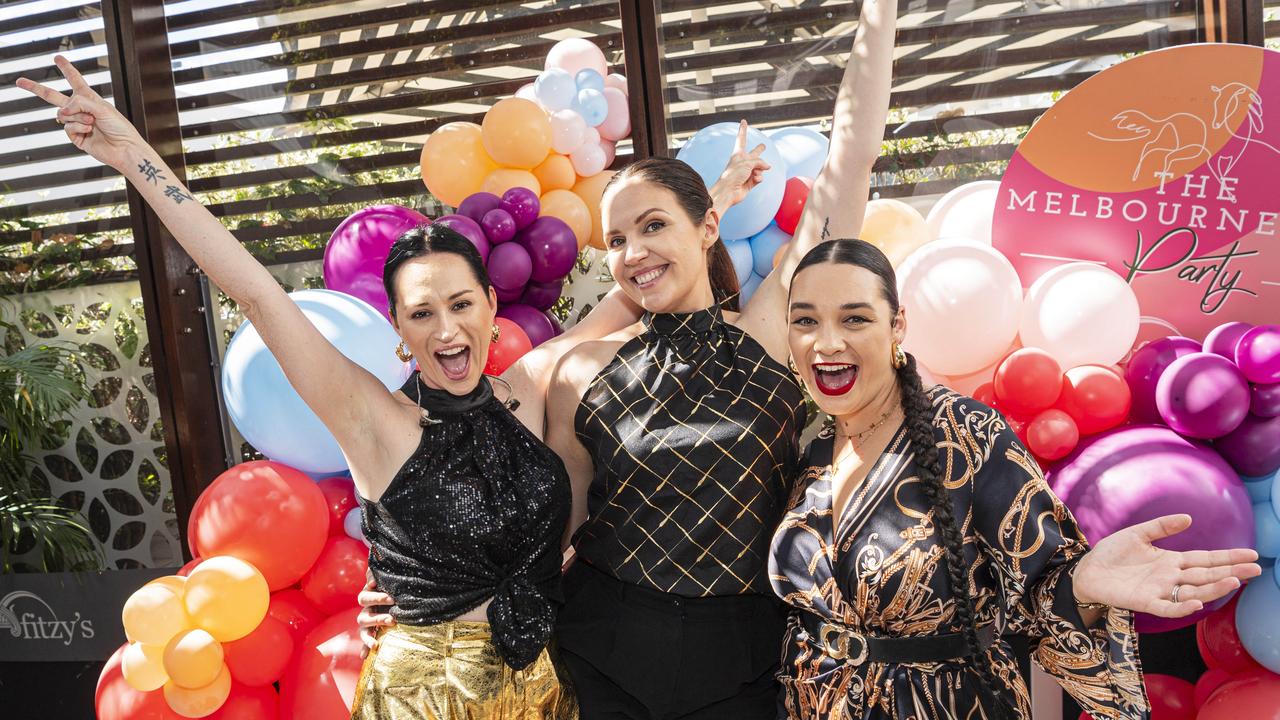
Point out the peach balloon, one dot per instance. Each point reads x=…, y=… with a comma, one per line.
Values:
x=454, y=162
x=555, y=173
x=199, y=702
x=574, y=54
x=503, y=179
x=227, y=597
x=591, y=190
x=143, y=667
x=779, y=253
x=572, y=210
x=193, y=659
x=895, y=227
x=153, y=614
x=610, y=149
x=617, y=80
x=516, y=133
x=176, y=583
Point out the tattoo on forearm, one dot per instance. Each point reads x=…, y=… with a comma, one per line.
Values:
x=826, y=230
x=175, y=193
x=150, y=172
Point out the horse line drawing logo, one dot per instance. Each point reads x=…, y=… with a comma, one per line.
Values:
x=28, y=617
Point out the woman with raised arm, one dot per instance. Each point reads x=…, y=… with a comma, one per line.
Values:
x=682, y=433
x=462, y=503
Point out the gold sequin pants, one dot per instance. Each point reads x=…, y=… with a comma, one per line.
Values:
x=452, y=671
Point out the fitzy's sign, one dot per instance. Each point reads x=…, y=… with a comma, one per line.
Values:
x=65, y=616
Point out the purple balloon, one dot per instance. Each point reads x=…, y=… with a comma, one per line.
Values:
x=536, y=325
x=1202, y=395
x=1264, y=400
x=498, y=225
x=507, y=296
x=477, y=204
x=1222, y=339
x=1144, y=370
x=1253, y=449
x=1258, y=354
x=509, y=267
x=522, y=204
x=1136, y=473
x=559, y=329
x=542, y=295
x=553, y=247
x=467, y=228
x=358, y=249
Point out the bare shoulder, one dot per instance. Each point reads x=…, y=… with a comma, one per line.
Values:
x=580, y=365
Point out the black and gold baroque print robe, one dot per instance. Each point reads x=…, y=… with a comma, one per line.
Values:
x=883, y=573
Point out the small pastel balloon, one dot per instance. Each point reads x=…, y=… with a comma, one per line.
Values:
x=568, y=130
x=1143, y=371
x=572, y=210
x=542, y=295
x=469, y=229
x=1267, y=527
x=895, y=227
x=477, y=204
x=591, y=190
x=610, y=149
x=353, y=526
x=556, y=173
x=1258, y=354
x=153, y=614
x=1082, y=314
x=593, y=106
x=554, y=89
x=748, y=289
x=1223, y=339
x=576, y=54
x=617, y=122
x=965, y=212
x=454, y=162
x=588, y=160
x=526, y=92
x=522, y=203
x=764, y=246
x=591, y=136
x=803, y=150
x=516, y=133
x=588, y=78
x=510, y=267
x=199, y=702
x=1256, y=614
x=743, y=261
x=192, y=659
x=617, y=81
x=227, y=596
x=143, y=667
x=1264, y=400
x=1253, y=449
x=1202, y=395
x=176, y=583
x=777, y=257
x=498, y=226
x=500, y=181
x=793, y=200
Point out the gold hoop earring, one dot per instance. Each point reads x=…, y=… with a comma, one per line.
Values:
x=402, y=352
x=899, y=357
x=791, y=365
x=497, y=332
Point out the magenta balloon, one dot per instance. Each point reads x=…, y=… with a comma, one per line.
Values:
x=1144, y=370
x=509, y=267
x=1258, y=354
x=523, y=205
x=1202, y=395
x=542, y=295
x=1264, y=400
x=1253, y=449
x=1222, y=339
x=477, y=204
x=555, y=324
x=1136, y=473
x=536, y=325
x=358, y=249
x=553, y=247
x=498, y=225
x=508, y=296
x=469, y=229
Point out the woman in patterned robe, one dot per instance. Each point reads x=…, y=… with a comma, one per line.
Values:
x=922, y=531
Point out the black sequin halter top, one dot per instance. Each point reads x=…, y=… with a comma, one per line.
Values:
x=694, y=431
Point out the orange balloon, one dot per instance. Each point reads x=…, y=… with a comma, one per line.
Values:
x=153, y=614
x=192, y=659
x=895, y=227
x=115, y=700
x=454, y=162
x=516, y=133
x=227, y=597
x=572, y=210
x=143, y=667
x=202, y=701
x=556, y=173
x=782, y=250
x=591, y=190
x=503, y=179
x=176, y=583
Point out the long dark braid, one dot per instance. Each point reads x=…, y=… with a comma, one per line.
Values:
x=918, y=412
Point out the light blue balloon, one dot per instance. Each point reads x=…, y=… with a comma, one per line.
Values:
x=555, y=89
x=1260, y=488
x=748, y=289
x=592, y=106
x=267, y=410
x=1275, y=491
x=709, y=150
x=1256, y=615
x=804, y=150
x=1267, y=526
x=588, y=79
x=764, y=245
x=740, y=254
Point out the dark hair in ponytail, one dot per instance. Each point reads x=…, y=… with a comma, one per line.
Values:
x=919, y=424
x=428, y=240
x=686, y=184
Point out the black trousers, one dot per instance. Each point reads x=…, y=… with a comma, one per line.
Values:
x=634, y=653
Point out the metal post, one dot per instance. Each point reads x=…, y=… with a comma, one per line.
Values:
x=641, y=42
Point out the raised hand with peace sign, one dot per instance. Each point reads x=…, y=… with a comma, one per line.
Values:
x=92, y=124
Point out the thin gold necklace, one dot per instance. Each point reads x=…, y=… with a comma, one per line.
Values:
x=856, y=441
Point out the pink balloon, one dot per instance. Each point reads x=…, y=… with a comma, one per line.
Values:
x=531, y=320
x=1258, y=354
x=1202, y=395
x=1223, y=339
x=510, y=267
x=1144, y=369
x=1264, y=400
x=358, y=249
x=618, y=82
x=588, y=160
x=610, y=149
x=617, y=124
x=567, y=131
x=574, y=54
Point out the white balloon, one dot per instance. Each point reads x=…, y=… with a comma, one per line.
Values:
x=1081, y=314
x=568, y=130
x=351, y=525
x=965, y=212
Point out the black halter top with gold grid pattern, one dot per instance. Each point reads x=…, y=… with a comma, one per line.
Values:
x=694, y=431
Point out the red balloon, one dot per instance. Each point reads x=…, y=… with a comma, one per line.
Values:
x=986, y=394
x=793, y=200
x=1052, y=434
x=1095, y=397
x=185, y=570
x=260, y=657
x=299, y=614
x=1211, y=680
x=116, y=700
x=1254, y=695
x=1171, y=698
x=1028, y=381
x=1019, y=428
x=320, y=683
x=510, y=346
x=340, y=496
x=1221, y=640
x=249, y=703
x=264, y=513
x=338, y=575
